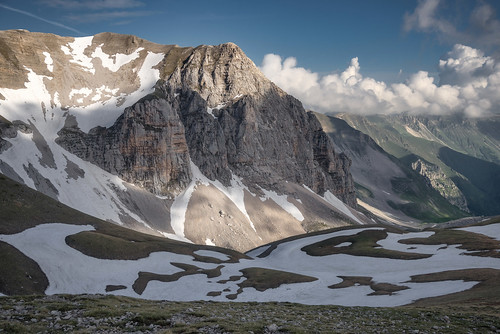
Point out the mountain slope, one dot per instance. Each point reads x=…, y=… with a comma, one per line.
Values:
x=371, y=266
x=190, y=143
x=425, y=143
x=383, y=181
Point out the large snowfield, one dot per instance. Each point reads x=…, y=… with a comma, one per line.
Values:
x=70, y=271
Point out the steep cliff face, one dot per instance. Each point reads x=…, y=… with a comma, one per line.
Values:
x=239, y=121
x=192, y=143
x=235, y=121
x=439, y=181
x=146, y=146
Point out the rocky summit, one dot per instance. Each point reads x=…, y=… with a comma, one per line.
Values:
x=191, y=143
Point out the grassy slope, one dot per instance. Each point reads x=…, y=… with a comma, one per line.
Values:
x=423, y=202
x=121, y=314
x=391, y=135
x=22, y=207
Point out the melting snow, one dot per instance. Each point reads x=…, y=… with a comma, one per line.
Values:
x=70, y=271
x=282, y=200
x=82, y=91
x=209, y=253
x=77, y=52
x=333, y=200
x=491, y=230
x=211, y=110
x=114, y=62
x=49, y=61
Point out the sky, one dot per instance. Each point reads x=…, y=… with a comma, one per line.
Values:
x=365, y=56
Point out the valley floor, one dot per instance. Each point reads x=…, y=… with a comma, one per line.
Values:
x=115, y=314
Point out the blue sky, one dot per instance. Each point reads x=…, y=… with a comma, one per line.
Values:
x=322, y=35
x=363, y=56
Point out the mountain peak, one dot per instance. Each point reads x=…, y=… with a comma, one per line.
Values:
x=140, y=134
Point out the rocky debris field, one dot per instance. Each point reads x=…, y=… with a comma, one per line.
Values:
x=113, y=314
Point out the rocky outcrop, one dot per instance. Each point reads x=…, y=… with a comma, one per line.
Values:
x=236, y=123
x=146, y=146
x=439, y=181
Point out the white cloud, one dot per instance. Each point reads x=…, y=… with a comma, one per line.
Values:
x=425, y=18
x=469, y=83
x=480, y=28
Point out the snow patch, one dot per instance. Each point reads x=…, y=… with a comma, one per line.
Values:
x=114, y=62
x=105, y=114
x=491, y=230
x=211, y=110
x=209, y=253
x=333, y=200
x=82, y=91
x=174, y=237
x=49, y=61
x=209, y=242
x=338, y=204
x=70, y=271
x=77, y=52
x=235, y=193
x=282, y=201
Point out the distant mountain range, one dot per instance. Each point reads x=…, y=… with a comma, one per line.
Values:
x=458, y=157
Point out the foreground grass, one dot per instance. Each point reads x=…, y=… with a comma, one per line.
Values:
x=113, y=314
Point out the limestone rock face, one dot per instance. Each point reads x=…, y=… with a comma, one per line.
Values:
x=160, y=138
x=234, y=122
x=146, y=146
x=238, y=121
x=438, y=180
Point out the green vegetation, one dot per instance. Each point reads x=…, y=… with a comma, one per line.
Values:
x=482, y=190
x=262, y=279
x=88, y=314
x=115, y=243
x=476, y=244
x=465, y=150
x=363, y=243
x=362, y=191
x=141, y=283
x=424, y=203
x=22, y=207
x=378, y=288
x=487, y=292
x=417, y=199
x=19, y=275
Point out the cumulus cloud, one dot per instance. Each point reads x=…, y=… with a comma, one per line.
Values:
x=425, y=18
x=468, y=83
